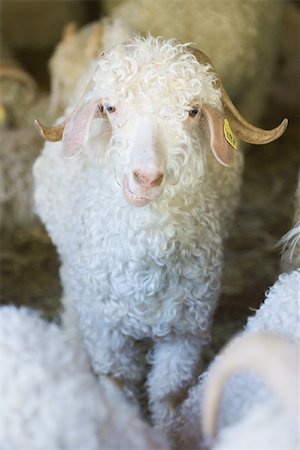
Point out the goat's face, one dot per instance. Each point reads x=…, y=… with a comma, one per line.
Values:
x=163, y=105
x=150, y=93
x=151, y=153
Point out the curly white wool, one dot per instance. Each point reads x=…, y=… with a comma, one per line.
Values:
x=50, y=399
x=158, y=69
x=280, y=312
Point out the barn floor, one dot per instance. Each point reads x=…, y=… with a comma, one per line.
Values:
x=29, y=265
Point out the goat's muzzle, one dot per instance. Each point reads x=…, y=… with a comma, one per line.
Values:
x=142, y=188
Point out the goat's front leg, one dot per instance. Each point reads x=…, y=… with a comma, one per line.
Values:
x=176, y=364
x=117, y=356
x=110, y=352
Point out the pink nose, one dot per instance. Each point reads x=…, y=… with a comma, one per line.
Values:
x=148, y=179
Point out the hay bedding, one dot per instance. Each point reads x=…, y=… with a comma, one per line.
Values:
x=29, y=270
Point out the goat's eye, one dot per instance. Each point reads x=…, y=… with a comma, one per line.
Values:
x=110, y=109
x=193, y=112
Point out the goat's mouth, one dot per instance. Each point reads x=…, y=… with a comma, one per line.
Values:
x=133, y=198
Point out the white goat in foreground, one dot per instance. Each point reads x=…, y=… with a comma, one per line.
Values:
x=272, y=423
x=131, y=274
x=51, y=400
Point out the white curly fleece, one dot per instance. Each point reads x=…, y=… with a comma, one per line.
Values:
x=153, y=272
x=51, y=400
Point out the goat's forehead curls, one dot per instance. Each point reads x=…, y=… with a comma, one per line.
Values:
x=164, y=70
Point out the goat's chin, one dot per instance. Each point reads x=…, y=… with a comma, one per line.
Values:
x=134, y=199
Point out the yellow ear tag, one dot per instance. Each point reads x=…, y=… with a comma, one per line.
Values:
x=228, y=135
x=2, y=115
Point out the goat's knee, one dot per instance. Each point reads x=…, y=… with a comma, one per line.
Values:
x=114, y=353
x=175, y=366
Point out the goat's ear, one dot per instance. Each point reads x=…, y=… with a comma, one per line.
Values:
x=76, y=132
x=222, y=141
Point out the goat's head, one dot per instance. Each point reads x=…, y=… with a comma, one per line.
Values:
x=162, y=101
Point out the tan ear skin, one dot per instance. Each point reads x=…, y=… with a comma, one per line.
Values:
x=76, y=131
x=81, y=118
x=221, y=149
x=80, y=121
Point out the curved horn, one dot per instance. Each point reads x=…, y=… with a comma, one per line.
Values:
x=242, y=128
x=247, y=352
x=200, y=56
x=52, y=134
x=245, y=130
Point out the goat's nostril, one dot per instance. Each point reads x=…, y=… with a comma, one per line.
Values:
x=158, y=181
x=148, y=179
x=137, y=176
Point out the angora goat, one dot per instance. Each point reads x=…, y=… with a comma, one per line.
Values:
x=249, y=415
x=50, y=399
x=139, y=212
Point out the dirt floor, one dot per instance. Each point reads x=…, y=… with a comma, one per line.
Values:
x=29, y=265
